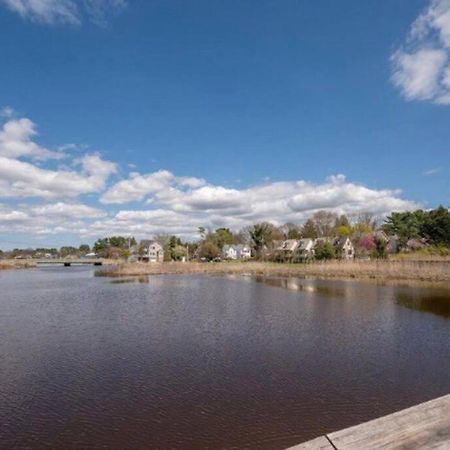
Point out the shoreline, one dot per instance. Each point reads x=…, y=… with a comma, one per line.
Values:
x=391, y=271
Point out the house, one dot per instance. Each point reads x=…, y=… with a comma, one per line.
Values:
x=305, y=249
x=413, y=245
x=229, y=252
x=235, y=252
x=286, y=249
x=245, y=252
x=289, y=245
x=344, y=247
x=151, y=251
x=393, y=245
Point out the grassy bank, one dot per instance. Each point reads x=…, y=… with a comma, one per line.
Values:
x=437, y=270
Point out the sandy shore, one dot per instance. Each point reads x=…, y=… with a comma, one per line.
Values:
x=392, y=270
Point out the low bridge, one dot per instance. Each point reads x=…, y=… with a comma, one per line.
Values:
x=69, y=262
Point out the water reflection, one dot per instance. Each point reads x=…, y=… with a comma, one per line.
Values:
x=436, y=301
x=120, y=280
x=327, y=288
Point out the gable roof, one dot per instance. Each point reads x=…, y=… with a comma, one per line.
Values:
x=288, y=245
x=341, y=241
x=149, y=242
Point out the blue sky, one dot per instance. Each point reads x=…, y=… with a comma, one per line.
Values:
x=167, y=115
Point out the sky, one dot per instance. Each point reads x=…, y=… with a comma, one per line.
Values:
x=142, y=117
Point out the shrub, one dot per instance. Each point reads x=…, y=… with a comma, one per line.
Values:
x=325, y=250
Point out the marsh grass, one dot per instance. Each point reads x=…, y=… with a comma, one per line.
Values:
x=6, y=264
x=436, y=270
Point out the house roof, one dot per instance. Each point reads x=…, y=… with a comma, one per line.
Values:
x=341, y=241
x=288, y=245
x=149, y=242
x=304, y=243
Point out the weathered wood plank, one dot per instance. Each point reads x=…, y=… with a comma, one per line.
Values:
x=320, y=443
x=425, y=426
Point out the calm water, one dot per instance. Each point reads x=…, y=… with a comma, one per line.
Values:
x=201, y=362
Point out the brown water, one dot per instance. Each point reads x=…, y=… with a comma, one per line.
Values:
x=202, y=362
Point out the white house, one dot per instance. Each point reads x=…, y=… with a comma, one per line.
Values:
x=235, y=252
x=344, y=248
x=288, y=246
x=305, y=249
x=245, y=252
x=151, y=251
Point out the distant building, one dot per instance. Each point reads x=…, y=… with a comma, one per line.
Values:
x=289, y=246
x=151, y=251
x=235, y=252
x=305, y=249
x=393, y=245
x=413, y=245
x=344, y=248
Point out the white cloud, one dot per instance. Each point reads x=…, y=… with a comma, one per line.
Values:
x=421, y=68
x=433, y=171
x=168, y=203
x=46, y=11
x=137, y=187
x=181, y=209
x=67, y=211
x=21, y=178
x=7, y=112
x=16, y=141
x=47, y=218
x=70, y=12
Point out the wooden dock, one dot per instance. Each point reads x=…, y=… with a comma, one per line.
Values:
x=69, y=262
x=425, y=426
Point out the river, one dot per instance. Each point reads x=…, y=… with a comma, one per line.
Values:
x=209, y=362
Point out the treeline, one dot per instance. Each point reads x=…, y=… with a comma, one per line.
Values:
x=44, y=252
x=432, y=226
x=370, y=234
x=263, y=236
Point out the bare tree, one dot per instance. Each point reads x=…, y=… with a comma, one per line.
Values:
x=324, y=221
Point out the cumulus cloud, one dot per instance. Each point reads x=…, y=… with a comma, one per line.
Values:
x=61, y=210
x=70, y=12
x=180, y=208
x=47, y=218
x=137, y=187
x=166, y=202
x=421, y=67
x=20, y=177
x=16, y=141
x=23, y=179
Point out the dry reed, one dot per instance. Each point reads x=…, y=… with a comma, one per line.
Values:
x=387, y=270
